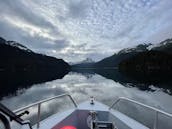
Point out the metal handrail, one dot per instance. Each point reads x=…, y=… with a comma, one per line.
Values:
x=157, y=111
x=43, y=101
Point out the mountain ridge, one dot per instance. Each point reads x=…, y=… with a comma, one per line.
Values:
x=115, y=59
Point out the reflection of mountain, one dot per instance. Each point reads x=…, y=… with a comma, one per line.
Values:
x=10, y=82
x=141, y=82
x=84, y=70
x=19, y=66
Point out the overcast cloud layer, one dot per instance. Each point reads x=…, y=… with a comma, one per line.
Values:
x=77, y=29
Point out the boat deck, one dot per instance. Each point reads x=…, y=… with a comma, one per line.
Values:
x=78, y=118
x=87, y=115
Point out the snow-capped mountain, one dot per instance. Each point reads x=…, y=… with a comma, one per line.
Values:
x=14, y=44
x=113, y=61
x=138, y=48
x=87, y=63
x=14, y=57
x=165, y=46
x=18, y=45
x=87, y=60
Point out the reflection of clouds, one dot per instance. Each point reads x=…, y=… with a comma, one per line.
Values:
x=33, y=94
x=47, y=109
x=81, y=88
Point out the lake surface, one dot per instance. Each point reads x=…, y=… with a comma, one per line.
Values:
x=85, y=84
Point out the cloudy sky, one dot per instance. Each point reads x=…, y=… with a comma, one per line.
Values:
x=77, y=29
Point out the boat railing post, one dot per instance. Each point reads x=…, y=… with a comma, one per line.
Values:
x=72, y=100
x=38, y=105
x=116, y=102
x=38, y=115
x=156, y=120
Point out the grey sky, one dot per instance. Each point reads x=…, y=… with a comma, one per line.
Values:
x=77, y=29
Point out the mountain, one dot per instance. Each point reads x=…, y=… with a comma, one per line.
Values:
x=124, y=54
x=150, y=62
x=138, y=48
x=87, y=63
x=87, y=60
x=16, y=57
x=14, y=44
x=155, y=63
x=21, y=66
x=165, y=46
x=115, y=59
x=18, y=45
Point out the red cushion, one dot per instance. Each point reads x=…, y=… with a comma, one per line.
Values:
x=68, y=127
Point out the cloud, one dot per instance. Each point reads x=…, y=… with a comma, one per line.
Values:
x=35, y=42
x=78, y=9
x=22, y=11
x=77, y=29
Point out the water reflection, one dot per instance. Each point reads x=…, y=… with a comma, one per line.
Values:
x=142, y=82
x=83, y=85
x=11, y=82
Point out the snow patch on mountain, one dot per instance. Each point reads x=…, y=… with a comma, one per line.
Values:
x=18, y=45
x=163, y=43
x=153, y=46
x=138, y=48
x=86, y=61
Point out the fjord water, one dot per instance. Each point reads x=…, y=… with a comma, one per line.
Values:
x=106, y=86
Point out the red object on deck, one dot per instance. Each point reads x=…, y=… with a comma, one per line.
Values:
x=68, y=127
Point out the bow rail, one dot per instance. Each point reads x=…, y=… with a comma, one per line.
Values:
x=157, y=111
x=38, y=104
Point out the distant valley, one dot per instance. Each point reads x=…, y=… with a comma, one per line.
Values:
x=144, y=63
x=117, y=60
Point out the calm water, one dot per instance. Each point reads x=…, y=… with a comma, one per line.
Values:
x=85, y=84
